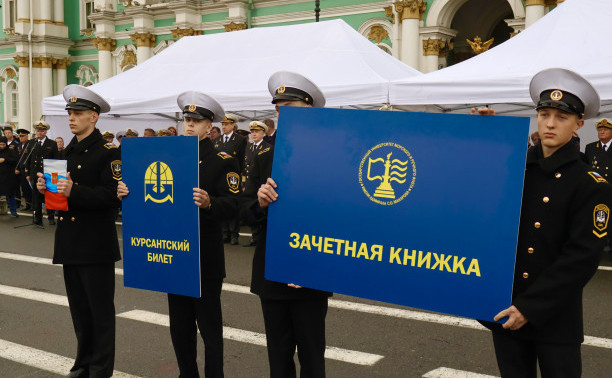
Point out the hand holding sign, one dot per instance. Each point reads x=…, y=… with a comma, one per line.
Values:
x=64, y=186
x=266, y=194
x=41, y=183
x=201, y=198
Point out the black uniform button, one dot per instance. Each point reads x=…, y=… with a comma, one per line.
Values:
x=537, y=225
x=530, y=250
x=525, y=275
x=72, y=219
x=557, y=175
x=545, y=199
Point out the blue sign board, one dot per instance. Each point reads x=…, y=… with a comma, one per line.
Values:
x=160, y=221
x=415, y=209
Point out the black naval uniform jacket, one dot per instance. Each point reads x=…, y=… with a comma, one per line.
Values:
x=86, y=233
x=8, y=178
x=252, y=213
x=35, y=155
x=235, y=147
x=600, y=160
x=220, y=179
x=564, y=217
x=249, y=158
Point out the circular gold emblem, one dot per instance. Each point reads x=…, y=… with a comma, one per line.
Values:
x=73, y=99
x=556, y=95
x=192, y=108
x=387, y=173
x=281, y=89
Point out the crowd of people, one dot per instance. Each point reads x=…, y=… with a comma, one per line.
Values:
x=563, y=229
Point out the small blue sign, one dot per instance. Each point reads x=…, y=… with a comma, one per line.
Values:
x=161, y=250
x=415, y=209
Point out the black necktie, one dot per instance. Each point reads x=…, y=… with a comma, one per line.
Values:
x=226, y=138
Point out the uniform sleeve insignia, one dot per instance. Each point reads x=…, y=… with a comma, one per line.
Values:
x=233, y=181
x=601, y=214
x=597, y=177
x=224, y=155
x=110, y=146
x=264, y=151
x=12, y=146
x=116, y=169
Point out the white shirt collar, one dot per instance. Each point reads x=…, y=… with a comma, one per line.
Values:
x=229, y=136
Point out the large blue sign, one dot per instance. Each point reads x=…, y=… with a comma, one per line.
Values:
x=415, y=209
x=160, y=221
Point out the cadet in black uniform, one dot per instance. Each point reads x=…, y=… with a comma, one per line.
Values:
x=86, y=238
x=23, y=150
x=564, y=217
x=258, y=131
x=8, y=161
x=599, y=154
x=217, y=199
x=234, y=145
x=44, y=148
x=293, y=316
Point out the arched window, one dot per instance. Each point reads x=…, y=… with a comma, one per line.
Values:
x=11, y=102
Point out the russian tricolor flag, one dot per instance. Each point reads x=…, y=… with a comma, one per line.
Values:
x=54, y=170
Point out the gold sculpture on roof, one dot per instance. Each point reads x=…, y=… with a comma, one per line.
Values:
x=478, y=46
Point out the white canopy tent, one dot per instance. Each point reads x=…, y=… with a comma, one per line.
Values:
x=574, y=35
x=234, y=68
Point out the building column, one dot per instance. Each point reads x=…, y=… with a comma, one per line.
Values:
x=410, y=13
x=23, y=86
x=431, y=52
x=534, y=10
x=105, y=63
x=395, y=31
x=144, y=45
x=46, y=84
x=58, y=12
x=61, y=77
x=23, y=11
x=46, y=10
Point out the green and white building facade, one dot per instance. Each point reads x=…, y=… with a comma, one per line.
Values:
x=46, y=44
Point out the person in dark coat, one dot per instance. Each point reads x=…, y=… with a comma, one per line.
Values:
x=270, y=137
x=258, y=132
x=216, y=198
x=23, y=150
x=599, y=154
x=564, y=218
x=86, y=240
x=234, y=145
x=8, y=161
x=44, y=148
x=294, y=316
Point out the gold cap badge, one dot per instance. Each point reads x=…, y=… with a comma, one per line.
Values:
x=192, y=108
x=73, y=99
x=281, y=89
x=556, y=95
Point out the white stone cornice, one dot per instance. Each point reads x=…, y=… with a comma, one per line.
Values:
x=438, y=32
x=84, y=58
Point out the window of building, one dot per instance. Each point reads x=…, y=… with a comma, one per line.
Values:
x=86, y=9
x=9, y=16
x=11, y=102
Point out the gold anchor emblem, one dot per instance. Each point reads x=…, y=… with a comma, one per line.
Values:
x=281, y=89
x=556, y=95
x=192, y=108
x=73, y=99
